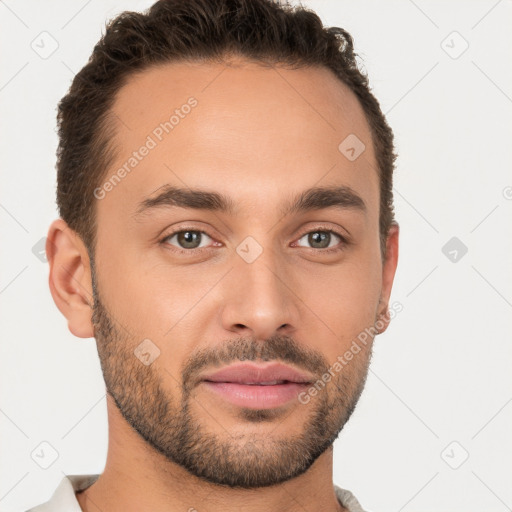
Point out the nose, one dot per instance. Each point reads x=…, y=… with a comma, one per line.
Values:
x=260, y=300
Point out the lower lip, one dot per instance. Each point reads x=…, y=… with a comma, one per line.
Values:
x=257, y=397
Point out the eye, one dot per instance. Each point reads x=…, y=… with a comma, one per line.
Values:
x=187, y=239
x=192, y=240
x=324, y=240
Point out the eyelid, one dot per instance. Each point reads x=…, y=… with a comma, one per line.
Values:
x=344, y=239
x=328, y=228
x=179, y=229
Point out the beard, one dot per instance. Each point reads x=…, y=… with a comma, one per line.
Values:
x=173, y=426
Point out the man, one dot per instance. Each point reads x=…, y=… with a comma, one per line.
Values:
x=227, y=236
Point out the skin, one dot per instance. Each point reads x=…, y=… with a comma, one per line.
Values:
x=260, y=136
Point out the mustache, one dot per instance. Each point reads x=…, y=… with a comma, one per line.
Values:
x=277, y=348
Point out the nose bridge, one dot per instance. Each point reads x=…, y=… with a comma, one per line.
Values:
x=258, y=297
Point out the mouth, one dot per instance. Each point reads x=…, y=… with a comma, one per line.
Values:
x=272, y=383
x=257, y=387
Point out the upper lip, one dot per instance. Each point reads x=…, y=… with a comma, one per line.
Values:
x=246, y=373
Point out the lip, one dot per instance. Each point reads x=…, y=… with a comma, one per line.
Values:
x=254, y=396
x=247, y=373
x=243, y=384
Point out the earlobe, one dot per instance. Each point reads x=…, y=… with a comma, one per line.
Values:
x=70, y=278
x=388, y=274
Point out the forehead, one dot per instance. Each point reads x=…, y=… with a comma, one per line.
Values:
x=249, y=130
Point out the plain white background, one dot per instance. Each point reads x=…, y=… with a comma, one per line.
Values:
x=432, y=429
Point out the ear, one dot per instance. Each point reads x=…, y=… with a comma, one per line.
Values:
x=388, y=275
x=70, y=277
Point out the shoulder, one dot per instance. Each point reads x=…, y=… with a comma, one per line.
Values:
x=348, y=500
x=63, y=498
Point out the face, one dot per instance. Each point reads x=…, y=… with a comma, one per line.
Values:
x=186, y=283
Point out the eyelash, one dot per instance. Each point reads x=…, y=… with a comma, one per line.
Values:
x=320, y=229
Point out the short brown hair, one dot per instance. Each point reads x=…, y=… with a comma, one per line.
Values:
x=264, y=31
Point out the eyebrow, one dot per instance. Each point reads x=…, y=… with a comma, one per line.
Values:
x=317, y=198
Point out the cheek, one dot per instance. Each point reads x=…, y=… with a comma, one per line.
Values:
x=127, y=287
x=149, y=302
x=154, y=299
x=345, y=299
